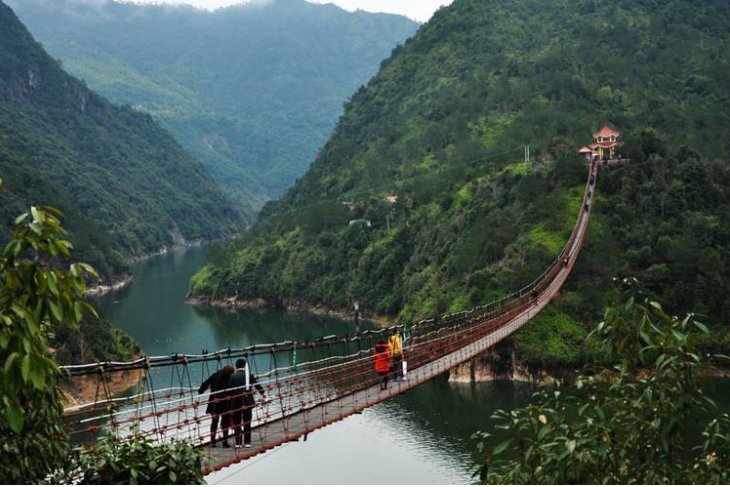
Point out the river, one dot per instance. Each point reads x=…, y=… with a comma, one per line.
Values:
x=421, y=437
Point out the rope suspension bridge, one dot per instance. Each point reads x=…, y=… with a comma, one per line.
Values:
x=307, y=385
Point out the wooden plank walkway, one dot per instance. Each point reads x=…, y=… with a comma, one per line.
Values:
x=269, y=435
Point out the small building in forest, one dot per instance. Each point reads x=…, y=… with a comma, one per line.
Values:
x=604, y=145
x=587, y=153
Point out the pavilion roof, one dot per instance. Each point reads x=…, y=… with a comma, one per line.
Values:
x=606, y=131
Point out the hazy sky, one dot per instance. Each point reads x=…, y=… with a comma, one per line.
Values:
x=420, y=10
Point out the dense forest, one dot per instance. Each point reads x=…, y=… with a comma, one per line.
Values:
x=420, y=203
x=252, y=91
x=125, y=186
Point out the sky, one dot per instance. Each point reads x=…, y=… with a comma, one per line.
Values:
x=420, y=10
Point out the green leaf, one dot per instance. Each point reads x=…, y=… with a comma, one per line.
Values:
x=25, y=368
x=571, y=446
x=22, y=217
x=582, y=409
x=14, y=417
x=53, y=283
x=38, y=378
x=702, y=327
x=78, y=311
x=501, y=447
x=37, y=213
x=90, y=270
x=91, y=309
x=9, y=361
x=56, y=310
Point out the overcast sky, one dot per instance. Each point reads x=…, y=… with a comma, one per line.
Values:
x=420, y=10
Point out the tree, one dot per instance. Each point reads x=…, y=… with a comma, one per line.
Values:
x=630, y=424
x=36, y=296
x=39, y=292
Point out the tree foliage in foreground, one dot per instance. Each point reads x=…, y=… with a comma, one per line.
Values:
x=140, y=461
x=39, y=294
x=36, y=297
x=634, y=424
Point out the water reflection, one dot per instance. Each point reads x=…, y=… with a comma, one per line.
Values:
x=239, y=328
x=154, y=312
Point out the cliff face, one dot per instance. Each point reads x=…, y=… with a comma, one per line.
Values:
x=486, y=369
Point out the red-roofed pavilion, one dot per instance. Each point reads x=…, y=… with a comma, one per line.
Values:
x=604, y=144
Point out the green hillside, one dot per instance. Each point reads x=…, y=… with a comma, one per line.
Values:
x=252, y=91
x=442, y=127
x=124, y=184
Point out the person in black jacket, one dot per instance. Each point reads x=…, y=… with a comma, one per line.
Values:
x=242, y=401
x=218, y=400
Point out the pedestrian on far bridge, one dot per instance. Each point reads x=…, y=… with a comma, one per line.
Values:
x=396, y=352
x=381, y=358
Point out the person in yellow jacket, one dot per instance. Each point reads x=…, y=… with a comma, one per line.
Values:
x=396, y=353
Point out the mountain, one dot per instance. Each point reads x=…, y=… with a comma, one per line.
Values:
x=124, y=184
x=420, y=203
x=253, y=91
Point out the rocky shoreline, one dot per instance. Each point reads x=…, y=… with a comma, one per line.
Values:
x=123, y=280
x=290, y=306
x=481, y=370
x=82, y=390
x=478, y=370
x=105, y=287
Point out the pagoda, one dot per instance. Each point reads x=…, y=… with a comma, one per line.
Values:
x=604, y=145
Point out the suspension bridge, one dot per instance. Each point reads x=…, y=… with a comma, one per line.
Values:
x=308, y=385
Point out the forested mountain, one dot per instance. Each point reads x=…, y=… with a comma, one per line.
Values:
x=442, y=127
x=253, y=91
x=124, y=184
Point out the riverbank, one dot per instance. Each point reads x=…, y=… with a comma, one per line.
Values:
x=124, y=280
x=482, y=370
x=81, y=390
x=289, y=306
x=166, y=249
x=114, y=284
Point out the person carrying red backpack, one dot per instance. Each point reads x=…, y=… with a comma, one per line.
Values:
x=381, y=358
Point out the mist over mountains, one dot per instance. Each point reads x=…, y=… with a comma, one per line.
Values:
x=252, y=91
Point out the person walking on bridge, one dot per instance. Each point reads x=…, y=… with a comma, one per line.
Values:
x=396, y=353
x=242, y=402
x=381, y=357
x=218, y=399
